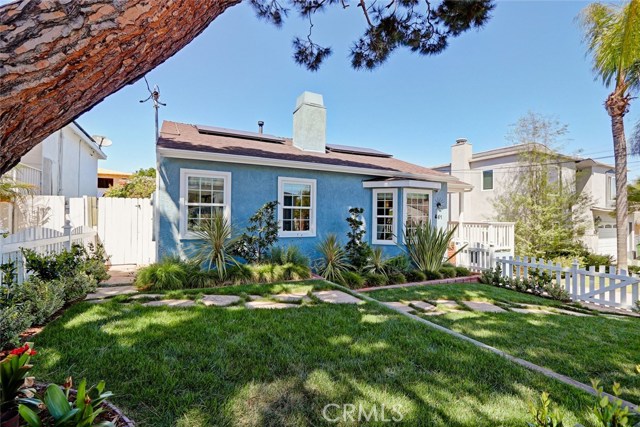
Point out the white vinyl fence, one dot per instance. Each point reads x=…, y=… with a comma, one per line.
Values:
x=42, y=240
x=125, y=227
x=604, y=286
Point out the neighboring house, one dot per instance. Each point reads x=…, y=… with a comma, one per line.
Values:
x=491, y=171
x=203, y=170
x=108, y=178
x=63, y=164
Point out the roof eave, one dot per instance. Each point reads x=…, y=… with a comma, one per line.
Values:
x=252, y=160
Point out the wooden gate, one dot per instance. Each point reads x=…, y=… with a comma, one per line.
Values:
x=125, y=227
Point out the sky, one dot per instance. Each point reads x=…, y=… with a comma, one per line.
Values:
x=529, y=57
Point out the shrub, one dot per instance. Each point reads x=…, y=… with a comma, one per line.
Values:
x=52, y=266
x=239, y=274
x=399, y=264
x=462, y=272
x=395, y=278
x=357, y=250
x=94, y=262
x=416, y=276
x=433, y=275
x=14, y=319
x=545, y=413
x=260, y=235
x=447, y=272
x=291, y=271
x=635, y=269
x=492, y=276
x=596, y=260
x=376, y=262
x=78, y=286
x=288, y=255
x=168, y=274
x=352, y=280
x=374, y=279
x=427, y=245
x=42, y=298
x=334, y=260
x=215, y=245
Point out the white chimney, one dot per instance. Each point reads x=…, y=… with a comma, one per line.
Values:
x=461, y=153
x=310, y=123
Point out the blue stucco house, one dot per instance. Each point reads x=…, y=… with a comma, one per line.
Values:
x=204, y=169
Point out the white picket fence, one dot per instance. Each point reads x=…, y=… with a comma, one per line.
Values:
x=605, y=286
x=42, y=240
x=478, y=257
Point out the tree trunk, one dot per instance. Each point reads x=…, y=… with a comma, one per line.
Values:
x=617, y=106
x=59, y=58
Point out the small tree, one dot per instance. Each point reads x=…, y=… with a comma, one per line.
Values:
x=141, y=184
x=260, y=235
x=550, y=215
x=358, y=251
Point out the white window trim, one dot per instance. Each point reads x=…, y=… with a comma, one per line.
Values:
x=374, y=216
x=493, y=180
x=312, y=217
x=184, y=174
x=405, y=192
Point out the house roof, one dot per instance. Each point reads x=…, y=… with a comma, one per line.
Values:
x=87, y=139
x=520, y=148
x=184, y=140
x=109, y=172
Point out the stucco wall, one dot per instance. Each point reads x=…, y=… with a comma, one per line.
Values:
x=252, y=186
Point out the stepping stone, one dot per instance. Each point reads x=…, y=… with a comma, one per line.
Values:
x=97, y=301
x=171, y=303
x=483, y=307
x=220, y=300
x=256, y=297
x=336, y=297
x=421, y=305
x=266, y=304
x=570, y=312
x=447, y=303
x=147, y=296
x=291, y=297
x=436, y=313
x=111, y=291
x=531, y=311
x=399, y=306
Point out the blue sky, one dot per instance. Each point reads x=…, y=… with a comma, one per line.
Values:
x=528, y=57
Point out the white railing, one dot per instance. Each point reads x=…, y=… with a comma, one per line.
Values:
x=499, y=235
x=605, y=286
x=42, y=240
x=477, y=257
x=27, y=175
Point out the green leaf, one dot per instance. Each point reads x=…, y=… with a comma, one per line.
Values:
x=604, y=402
x=29, y=416
x=66, y=417
x=81, y=393
x=56, y=402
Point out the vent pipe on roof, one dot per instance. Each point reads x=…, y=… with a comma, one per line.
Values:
x=260, y=126
x=310, y=123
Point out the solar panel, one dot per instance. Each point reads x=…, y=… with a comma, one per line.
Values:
x=211, y=130
x=347, y=149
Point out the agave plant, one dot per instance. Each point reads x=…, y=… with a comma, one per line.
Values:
x=427, y=245
x=334, y=259
x=215, y=245
x=376, y=262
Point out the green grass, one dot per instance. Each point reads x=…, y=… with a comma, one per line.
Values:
x=204, y=366
x=604, y=347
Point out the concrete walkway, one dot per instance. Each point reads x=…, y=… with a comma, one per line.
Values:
x=111, y=291
x=121, y=275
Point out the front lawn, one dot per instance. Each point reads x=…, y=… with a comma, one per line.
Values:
x=602, y=346
x=202, y=366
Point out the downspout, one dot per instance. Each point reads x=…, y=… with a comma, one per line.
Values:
x=60, y=154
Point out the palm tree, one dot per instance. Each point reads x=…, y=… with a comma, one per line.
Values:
x=612, y=33
x=12, y=190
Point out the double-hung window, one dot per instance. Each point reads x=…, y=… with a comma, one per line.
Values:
x=417, y=206
x=384, y=216
x=203, y=194
x=297, y=207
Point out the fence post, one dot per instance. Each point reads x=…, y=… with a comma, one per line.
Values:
x=574, y=279
x=67, y=232
x=492, y=257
